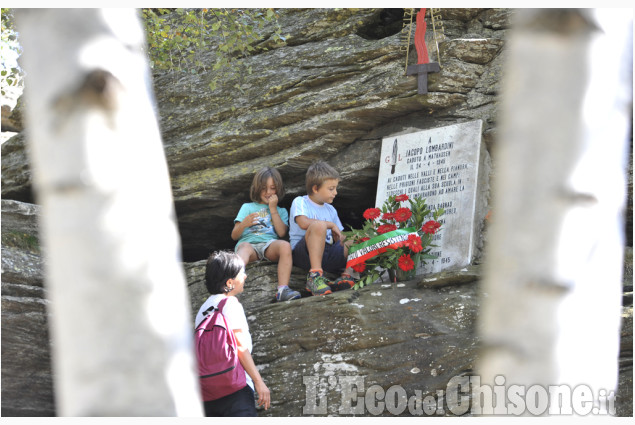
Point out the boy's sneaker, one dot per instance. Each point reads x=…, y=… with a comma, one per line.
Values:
x=287, y=294
x=345, y=281
x=317, y=284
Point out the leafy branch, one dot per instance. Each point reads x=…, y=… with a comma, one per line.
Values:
x=10, y=76
x=179, y=39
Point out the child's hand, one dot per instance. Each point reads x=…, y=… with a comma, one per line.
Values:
x=337, y=234
x=251, y=219
x=273, y=202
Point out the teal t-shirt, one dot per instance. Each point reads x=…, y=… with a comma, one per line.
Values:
x=264, y=230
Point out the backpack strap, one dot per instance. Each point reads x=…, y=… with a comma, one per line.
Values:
x=219, y=307
x=210, y=311
x=221, y=304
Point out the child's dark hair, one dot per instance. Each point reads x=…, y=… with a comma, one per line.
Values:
x=221, y=266
x=317, y=173
x=259, y=183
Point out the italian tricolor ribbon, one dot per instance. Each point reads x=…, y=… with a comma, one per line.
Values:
x=377, y=245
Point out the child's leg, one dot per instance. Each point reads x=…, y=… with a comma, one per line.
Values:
x=280, y=252
x=247, y=252
x=345, y=281
x=315, y=240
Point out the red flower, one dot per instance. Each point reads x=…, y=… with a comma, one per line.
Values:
x=364, y=239
x=406, y=263
x=401, y=198
x=388, y=216
x=430, y=227
x=359, y=267
x=403, y=214
x=372, y=213
x=385, y=228
x=414, y=243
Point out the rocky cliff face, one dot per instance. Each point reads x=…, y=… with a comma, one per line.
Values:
x=27, y=382
x=420, y=335
x=407, y=334
x=332, y=92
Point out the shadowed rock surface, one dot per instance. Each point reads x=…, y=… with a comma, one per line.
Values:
x=27, y=382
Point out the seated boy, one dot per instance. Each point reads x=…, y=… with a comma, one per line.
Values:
x=315, y=232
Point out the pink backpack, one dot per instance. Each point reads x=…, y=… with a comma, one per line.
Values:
x=219, y=369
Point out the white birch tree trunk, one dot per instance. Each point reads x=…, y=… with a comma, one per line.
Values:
x=120, y=319
x=552, y=305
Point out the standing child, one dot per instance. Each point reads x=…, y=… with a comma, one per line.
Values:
x=259, y=226
x=316, y=232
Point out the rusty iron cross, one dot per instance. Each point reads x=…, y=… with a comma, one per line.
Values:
x=423, y=66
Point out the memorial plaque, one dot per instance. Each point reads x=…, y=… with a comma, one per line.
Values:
x=442, y=166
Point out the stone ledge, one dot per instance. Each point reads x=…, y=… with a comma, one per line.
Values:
x=458, y=276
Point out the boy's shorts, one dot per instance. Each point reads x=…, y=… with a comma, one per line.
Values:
x=333, y=259
x=260, y=248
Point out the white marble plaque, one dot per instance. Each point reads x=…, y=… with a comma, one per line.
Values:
x=442, y=166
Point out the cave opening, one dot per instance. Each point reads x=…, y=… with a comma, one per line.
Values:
x=388, y=22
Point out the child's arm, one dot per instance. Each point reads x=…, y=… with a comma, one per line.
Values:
x=240, y=226
x=304, y=222
x=278, y=224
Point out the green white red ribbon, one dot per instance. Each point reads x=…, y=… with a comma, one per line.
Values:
x=377, y=245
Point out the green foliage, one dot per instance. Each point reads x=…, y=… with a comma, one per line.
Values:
x=22, y=241
x=178, y=38
x=10, y=74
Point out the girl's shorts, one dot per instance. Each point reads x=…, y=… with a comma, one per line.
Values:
x=260, y=248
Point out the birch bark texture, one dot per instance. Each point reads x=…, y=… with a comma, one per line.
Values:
x=120, y=328
x=553, y=276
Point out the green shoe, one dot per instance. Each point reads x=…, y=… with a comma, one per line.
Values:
x=343, y=282
x=317, y=284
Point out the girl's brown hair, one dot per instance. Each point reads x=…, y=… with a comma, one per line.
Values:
x=259, y=183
